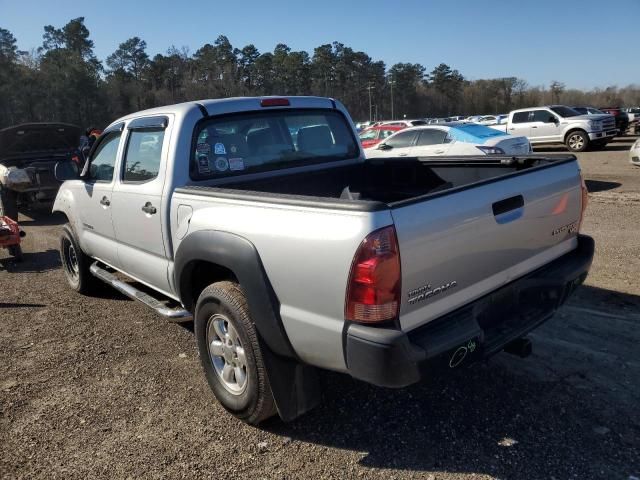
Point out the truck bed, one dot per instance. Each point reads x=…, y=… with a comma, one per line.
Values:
x=377, y=184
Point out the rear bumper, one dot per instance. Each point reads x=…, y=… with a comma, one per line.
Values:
x=392, y=358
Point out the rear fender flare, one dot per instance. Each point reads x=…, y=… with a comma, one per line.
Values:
x=241, y=257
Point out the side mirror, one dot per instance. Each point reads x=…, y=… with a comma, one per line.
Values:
x=384, y=146
x=552, y=119
x=66, y=171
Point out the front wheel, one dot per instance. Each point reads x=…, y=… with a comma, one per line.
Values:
x=75, y=263
x=230, y=353
x=577, y=141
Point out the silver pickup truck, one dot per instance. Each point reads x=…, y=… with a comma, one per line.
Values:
x=261, y=220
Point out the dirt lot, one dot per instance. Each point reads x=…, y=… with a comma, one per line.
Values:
x=103, y=388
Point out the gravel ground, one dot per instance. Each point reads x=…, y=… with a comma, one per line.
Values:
x=103, y=388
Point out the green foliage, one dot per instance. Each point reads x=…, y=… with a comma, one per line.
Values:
x=62, y=80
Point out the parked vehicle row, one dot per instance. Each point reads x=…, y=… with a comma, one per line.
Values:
x=449, y=140
x=294, y=253
x=561, y=124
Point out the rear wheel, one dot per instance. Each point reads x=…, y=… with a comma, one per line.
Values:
x=8, y=203
x=577, y=141
x=75, y=263
x=230, y=353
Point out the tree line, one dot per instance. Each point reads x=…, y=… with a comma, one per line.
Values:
x=62, y=80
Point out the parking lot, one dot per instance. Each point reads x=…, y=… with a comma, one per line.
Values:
x=104, y=388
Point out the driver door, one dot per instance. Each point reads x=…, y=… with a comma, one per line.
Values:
x=93, y=200
x=545, y=126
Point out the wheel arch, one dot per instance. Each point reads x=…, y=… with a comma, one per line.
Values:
x=211, y=256
x=575, y=129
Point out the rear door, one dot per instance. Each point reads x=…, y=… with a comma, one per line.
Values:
x=430, y=142
x=520, y=124
x=94, y=199
x=137, y=213
x=463, y=245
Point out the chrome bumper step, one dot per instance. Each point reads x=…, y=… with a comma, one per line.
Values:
x=173, y=314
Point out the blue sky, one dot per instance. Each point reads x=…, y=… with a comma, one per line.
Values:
x=583, y=43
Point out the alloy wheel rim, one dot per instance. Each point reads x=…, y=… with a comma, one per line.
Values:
x=227, y=354
x=576, y=141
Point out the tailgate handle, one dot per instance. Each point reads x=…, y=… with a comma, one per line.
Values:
x=507, y=205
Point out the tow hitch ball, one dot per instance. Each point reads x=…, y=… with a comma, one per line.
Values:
x=520, y=347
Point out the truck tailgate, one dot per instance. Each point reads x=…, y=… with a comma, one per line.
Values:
x=462, y=244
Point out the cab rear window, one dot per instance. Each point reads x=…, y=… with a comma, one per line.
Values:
x=262, y=141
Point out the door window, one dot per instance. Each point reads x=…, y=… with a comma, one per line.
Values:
x=543, y=116
x=104, y=157
x=401, y=140
x=520, y=117
x=431, y=136
x=143, y=155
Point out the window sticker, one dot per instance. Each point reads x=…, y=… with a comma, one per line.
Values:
x=219, y=149
x=203, y=164
x=203, y=148
x=236, y=164
x=222, y=164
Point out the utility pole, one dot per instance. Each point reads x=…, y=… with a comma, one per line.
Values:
x=370, y=87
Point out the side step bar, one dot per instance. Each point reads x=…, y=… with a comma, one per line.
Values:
x=173, y=314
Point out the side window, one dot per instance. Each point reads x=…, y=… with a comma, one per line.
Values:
x=143, y=155
x=386, y=133
x=520, y=117
x=431, y=136
x=401, y=140
x=103, y=160
x=541, y=116
x=368, y=135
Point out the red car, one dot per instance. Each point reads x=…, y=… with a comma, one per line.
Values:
x=374, y=135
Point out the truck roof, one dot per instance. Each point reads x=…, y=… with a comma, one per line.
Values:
x=219, y=106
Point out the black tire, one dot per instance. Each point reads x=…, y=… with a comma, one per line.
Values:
x=75, y=263
x=8, y=203
x=577, y=141
x=225, y=302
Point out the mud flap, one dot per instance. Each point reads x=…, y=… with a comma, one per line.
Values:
x=295, y=386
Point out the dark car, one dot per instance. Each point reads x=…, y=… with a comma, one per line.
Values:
x=622, y=118
x=28, y=155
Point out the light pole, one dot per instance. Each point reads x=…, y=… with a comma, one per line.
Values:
x=370, y=87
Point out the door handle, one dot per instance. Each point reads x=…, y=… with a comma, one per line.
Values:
x=534, y=126
x=105, y=201
x=149, y=209
x=438, y=151
x=402, y=154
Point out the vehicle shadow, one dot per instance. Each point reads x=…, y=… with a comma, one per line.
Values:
x=509, y=418
x=40, y=218
x=32, y=262
x=600, y=185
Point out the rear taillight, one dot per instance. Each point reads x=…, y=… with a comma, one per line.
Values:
x=585, y=200
x=491, y=150
x=373, y=289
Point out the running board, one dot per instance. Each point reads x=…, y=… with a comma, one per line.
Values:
x=173, y=314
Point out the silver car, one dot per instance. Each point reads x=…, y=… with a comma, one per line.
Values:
x=634, y=153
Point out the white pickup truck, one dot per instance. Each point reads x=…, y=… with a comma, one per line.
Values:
x=560, y=124
x=261, y=220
